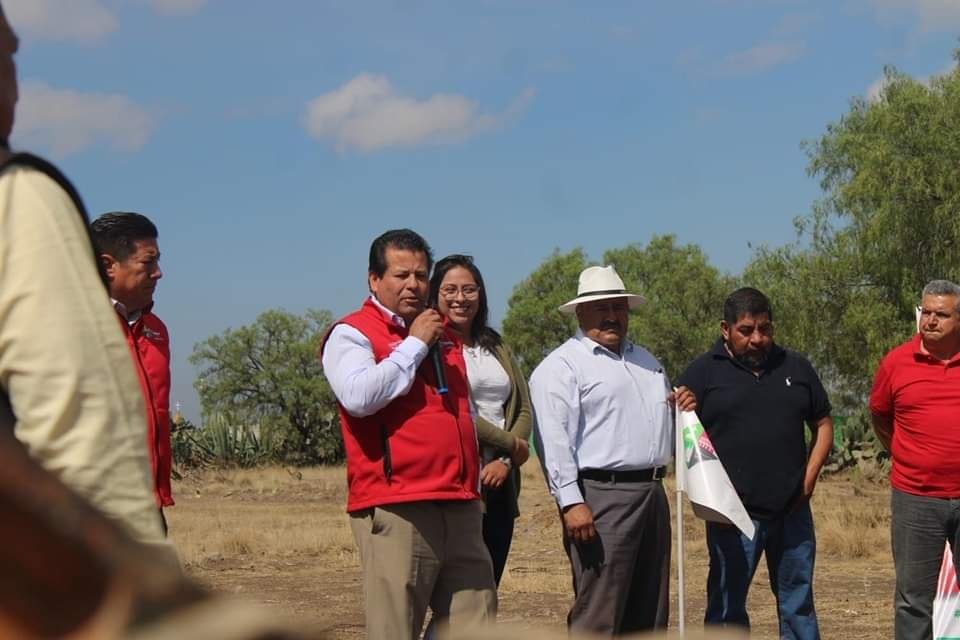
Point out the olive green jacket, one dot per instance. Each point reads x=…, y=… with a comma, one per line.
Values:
x=518, y=421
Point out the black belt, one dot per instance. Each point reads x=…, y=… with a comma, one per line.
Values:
x=639, y=475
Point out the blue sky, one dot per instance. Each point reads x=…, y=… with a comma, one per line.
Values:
x=272, y=141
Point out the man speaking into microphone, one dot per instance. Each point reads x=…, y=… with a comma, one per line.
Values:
x=412, y=457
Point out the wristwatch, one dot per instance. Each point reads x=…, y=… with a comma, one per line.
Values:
x=507, y=460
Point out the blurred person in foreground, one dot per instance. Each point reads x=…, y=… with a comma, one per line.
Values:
x=915, y=406
x=756, y=398
x=126, y=246
x=604, y=428
x=412, y=459
x=68, y=391
x=500, y=397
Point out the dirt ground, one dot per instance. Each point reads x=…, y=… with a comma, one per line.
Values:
x=280, y=537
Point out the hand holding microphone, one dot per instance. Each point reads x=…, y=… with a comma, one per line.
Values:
x=428, y=326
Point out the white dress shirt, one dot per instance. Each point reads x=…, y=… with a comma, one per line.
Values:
x=362, y=385
x=599, y=410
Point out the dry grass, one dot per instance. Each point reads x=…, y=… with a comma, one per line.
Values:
x=263, y=513
x=853, y=520
x=282, y=538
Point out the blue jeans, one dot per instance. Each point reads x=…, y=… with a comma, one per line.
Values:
x=790, y=547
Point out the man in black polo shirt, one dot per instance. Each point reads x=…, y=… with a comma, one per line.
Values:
x=754, y=399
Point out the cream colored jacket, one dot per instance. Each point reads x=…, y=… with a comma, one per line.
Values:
x=63, y=359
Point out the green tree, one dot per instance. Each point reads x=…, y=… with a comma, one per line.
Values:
x=887, y=225
x=684, y=298
x=533, y=326
x=844, y=293
x=267, y=373
x=889, y=172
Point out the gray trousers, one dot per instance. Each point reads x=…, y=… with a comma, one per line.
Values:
x=919, y=528
x=621, y=580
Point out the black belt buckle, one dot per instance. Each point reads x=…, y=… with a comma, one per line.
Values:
x=659, y=473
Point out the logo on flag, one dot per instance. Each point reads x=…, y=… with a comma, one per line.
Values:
x=701, y=475
x=697, y=445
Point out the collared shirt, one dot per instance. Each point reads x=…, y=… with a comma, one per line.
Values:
x=362, y=385
x=922, y=396
x=599, y=410
x=121, y=308
x=756, y=422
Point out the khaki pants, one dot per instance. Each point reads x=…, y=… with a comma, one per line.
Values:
x=420, y=554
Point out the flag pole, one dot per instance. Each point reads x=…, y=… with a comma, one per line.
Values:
x=676, y=469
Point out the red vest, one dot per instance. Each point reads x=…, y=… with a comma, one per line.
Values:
x=149, y=345
x=421, y=446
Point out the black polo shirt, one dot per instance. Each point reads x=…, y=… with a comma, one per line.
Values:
x=756, y=422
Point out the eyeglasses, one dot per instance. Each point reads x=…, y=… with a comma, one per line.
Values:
x=470, y=292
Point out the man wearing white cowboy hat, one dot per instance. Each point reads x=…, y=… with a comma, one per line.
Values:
x=605, y=435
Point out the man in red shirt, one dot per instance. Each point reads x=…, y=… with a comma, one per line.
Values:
x=915, y=404
x=126, y=245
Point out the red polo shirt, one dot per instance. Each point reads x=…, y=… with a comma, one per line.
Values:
x=923, y=396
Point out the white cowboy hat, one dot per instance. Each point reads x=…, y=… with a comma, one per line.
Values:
x=599, y=283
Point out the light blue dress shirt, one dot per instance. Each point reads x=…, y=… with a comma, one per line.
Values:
x=596, y=409
x=362, y=385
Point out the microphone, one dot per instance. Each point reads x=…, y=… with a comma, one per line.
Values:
x=438, y=370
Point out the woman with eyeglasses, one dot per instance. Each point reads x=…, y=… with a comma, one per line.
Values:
x=499, y=393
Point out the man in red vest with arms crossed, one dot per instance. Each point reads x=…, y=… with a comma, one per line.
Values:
x=130, y=262
x=412, y=456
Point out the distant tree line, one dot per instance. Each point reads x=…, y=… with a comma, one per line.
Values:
x=843, y=292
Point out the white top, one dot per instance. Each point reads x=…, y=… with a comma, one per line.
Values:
x=599, y=410
x=362, y=385
x=489, y=384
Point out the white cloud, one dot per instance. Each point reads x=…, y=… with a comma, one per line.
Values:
x=760, y=58
x=177, y=7
x=83, y=21
x=934, y=15
x=66, y=121
x=367, y=114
